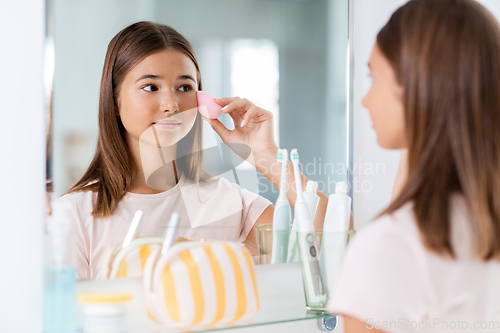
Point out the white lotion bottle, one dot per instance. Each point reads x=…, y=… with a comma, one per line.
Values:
x=335, y=233
x=312, y=201
x=338, y=212
x=311, y=198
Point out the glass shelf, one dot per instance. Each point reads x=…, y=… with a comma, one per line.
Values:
x=262, y=318
x=281, y=299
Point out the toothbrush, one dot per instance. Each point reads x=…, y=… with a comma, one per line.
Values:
x=293, y=253
x=302, y=213
x=312, y=200
x=170, y=233
x=134, y=228
x=313, y=283
x=282, y=216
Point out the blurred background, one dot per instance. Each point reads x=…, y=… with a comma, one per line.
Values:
x=287, y=56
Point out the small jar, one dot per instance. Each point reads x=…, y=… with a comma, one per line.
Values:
x=103, y=312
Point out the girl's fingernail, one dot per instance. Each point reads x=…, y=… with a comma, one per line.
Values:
x=225, y=107
x=243, y=123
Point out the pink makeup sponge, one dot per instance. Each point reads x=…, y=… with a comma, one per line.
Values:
x=207, y=106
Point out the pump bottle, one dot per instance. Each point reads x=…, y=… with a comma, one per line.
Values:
x=59, y=273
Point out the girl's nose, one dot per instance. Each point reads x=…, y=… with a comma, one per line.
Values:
x=364, y=101
x=169, y=103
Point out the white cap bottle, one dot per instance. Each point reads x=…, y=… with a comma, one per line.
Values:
x=311, y=198
x=335, y=234
x=338, y=212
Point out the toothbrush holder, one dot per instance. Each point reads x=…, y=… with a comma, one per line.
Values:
x=331, y=247
x=265, y=238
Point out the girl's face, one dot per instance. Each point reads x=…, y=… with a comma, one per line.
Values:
x=384, y=101
x=159, y=91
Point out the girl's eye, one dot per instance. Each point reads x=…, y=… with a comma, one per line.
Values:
x=186, y=88
x=150, y=87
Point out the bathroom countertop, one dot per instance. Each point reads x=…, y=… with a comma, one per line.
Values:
x=281, y=302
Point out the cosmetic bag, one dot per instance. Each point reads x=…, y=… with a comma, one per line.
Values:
x=202, y=284
x=130, y=261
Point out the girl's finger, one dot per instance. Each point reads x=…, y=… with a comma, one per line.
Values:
x=241, y=105
x=252, y=112
x=220, y=129
x=237, y=117
x=226, y=100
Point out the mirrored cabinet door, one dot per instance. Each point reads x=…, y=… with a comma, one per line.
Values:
x=291, y=58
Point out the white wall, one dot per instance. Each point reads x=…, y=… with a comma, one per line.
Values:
x=375, y=168
x=492, y=5
x=22, y=144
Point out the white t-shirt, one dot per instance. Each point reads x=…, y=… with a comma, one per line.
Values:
x=216, y=209
x=391, y=282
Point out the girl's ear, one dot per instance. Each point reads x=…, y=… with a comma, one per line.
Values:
x=117, y=111
x=115, y=104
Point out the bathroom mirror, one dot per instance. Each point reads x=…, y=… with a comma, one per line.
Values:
x=291, y=57
x=287, y=56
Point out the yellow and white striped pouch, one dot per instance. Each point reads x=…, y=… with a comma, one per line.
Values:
x=201, y=284
x=130, y=261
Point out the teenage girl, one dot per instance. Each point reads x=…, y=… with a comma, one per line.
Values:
x=430, y=261
x=149, y=85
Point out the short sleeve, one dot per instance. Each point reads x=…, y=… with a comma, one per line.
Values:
x=253, y=207
x=79, y=236
x=383, y=278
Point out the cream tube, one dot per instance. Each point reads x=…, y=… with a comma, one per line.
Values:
x=335, y=233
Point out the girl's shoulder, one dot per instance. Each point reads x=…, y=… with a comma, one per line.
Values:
x=400, y=222
x=392, y=233
x=221, y=187
x=78, y=196
x=399, y=230
x=401, y=227
x=81, y=202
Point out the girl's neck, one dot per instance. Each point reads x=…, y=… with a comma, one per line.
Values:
x=169, y=171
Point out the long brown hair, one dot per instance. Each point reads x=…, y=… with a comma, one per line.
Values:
x=112, y=169
x=446, y=56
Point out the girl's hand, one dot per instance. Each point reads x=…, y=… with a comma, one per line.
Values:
x=253, y=126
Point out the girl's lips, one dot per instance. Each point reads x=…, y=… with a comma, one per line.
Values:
x=168, y=124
